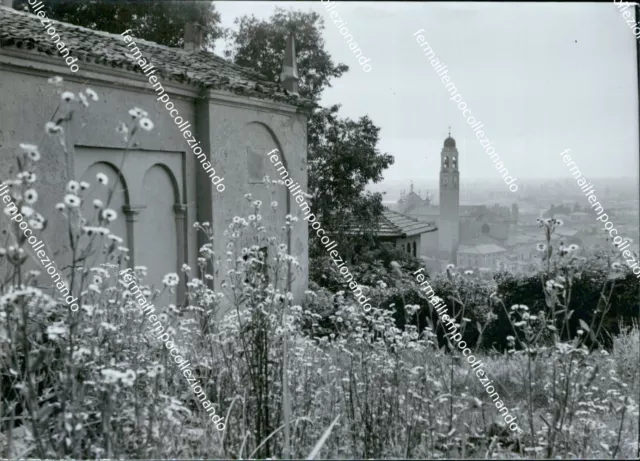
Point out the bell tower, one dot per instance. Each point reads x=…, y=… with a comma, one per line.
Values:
x=449, y=223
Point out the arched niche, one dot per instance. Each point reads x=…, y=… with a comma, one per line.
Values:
x=159, y=227
x=119, y=198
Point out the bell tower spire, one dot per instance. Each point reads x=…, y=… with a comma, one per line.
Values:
x=449, y=223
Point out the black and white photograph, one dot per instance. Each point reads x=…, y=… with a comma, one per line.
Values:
x=319, y=230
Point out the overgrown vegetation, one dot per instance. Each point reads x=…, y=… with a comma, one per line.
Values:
x=294, y=377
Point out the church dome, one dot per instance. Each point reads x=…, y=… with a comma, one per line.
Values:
x=449, y=142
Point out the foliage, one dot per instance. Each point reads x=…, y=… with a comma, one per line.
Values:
x=260, y=45
x=160, y=22
x=97, y=383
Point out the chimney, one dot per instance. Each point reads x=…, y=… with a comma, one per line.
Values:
x=193, y=36
x=289, y=75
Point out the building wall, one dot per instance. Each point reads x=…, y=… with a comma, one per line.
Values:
x=401, y=243
x=165, y=187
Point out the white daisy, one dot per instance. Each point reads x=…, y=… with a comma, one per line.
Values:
x=68, y=96
x=73, y=187
x=30, y=177
x=146, y=124
x=52, y=128
x=171, y=279
x=35, y=224
x=72, y=200
x=60, y=206
x=98, y=203
x=109, y=214
x=31, y=150
x=30, y=196
x=92, y=94
x=84, y=185
x=136, y=112
x=102, y=179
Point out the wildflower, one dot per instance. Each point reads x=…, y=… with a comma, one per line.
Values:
x=249, y=197
x=185, y=268
x=616, y=266
x=51, y=128
x=559, y=222
x=68, y=96
x=92, y=94
x=83, y=100
x=282, y=247
x=26, y=211
x=257, y=203
x=450, y=267
x=274, y=204
x=73, y=187
x=573, y=247
x=109, y=214
x=84, y=185
x=57, y=80
x=30, y=177
x=102, y=179
x=171, y=279
x=36, y=225
x=72, y=200
x=124, y=129
x=468, y=272
x=541, y=247
x=137, y=113
x=258, y=217
x=115, y=238
x=252, y=217
x=60, y=206
x=31, y=150
x=146, y=124
x=31, y=196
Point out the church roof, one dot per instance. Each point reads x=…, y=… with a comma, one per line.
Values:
x=487, y=248
x=394, y=224
x=24, y=31
x=449, y=142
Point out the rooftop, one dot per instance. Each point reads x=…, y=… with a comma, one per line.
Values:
x=394, y=224
x=23, y=31
x=487, y=248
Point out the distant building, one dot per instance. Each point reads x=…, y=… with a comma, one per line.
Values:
x=458, y=224
x=405, y=232
x=483, y=255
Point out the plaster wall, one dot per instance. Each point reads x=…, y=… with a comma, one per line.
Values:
x=235, y=130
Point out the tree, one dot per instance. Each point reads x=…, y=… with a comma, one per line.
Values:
x=159, y=22
x=343, y=156
x=260, y=45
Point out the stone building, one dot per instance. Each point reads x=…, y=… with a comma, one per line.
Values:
x=235, y=114
x=467, y=234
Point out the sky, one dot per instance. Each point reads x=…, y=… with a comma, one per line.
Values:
x=542, y=77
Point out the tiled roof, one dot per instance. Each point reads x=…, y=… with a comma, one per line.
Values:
x=484, y=249
x=24, y=31
x=394, y=224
